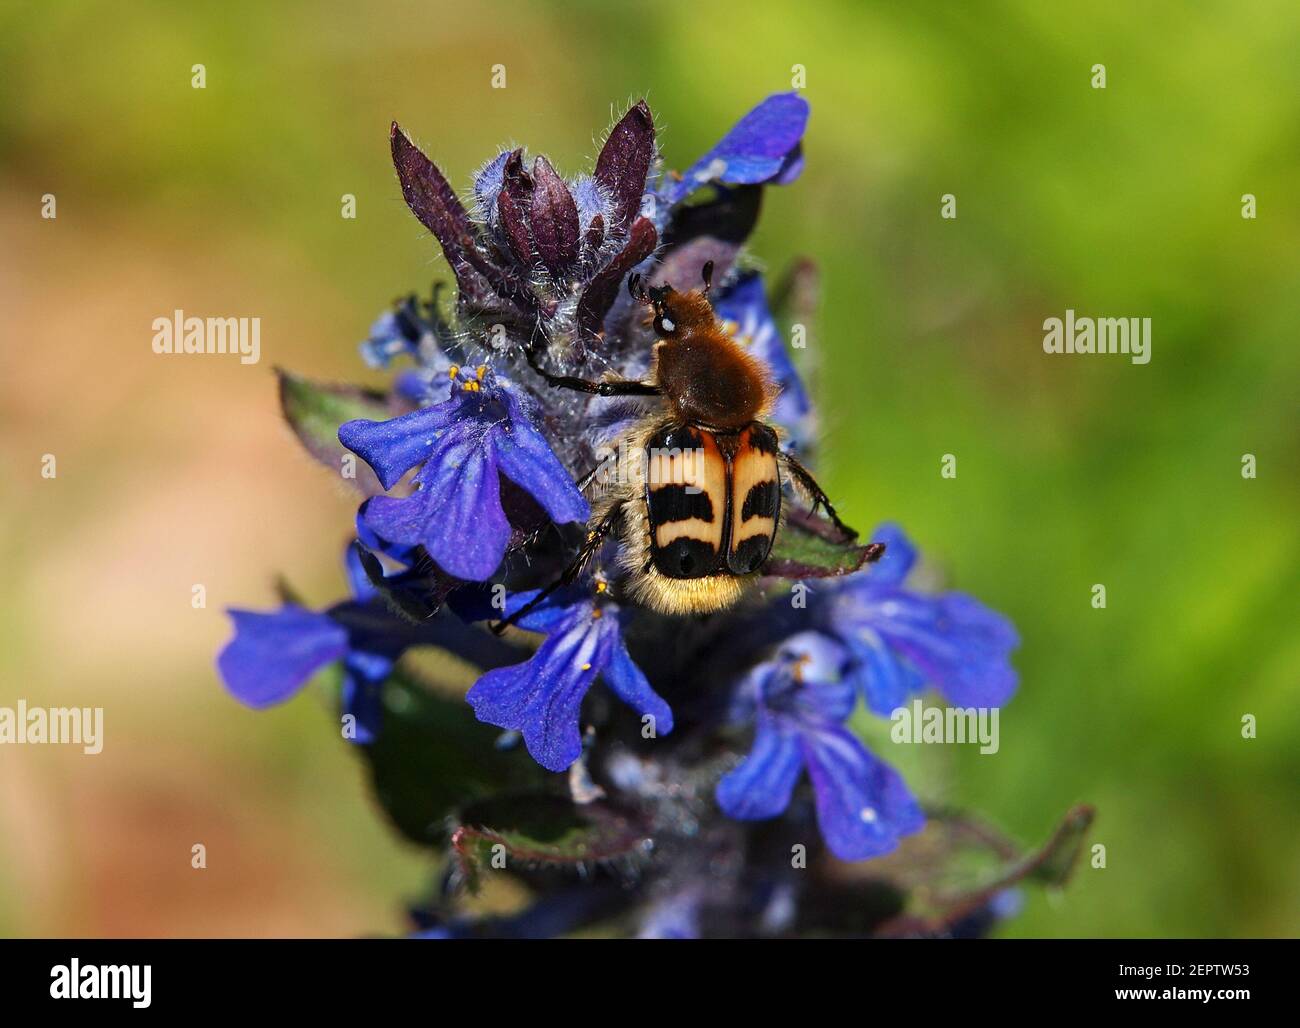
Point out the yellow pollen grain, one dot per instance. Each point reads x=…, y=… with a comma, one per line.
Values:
x=453, y=371
x=480, y=371
x=586, y=667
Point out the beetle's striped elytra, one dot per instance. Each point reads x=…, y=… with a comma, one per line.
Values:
x=695, y=501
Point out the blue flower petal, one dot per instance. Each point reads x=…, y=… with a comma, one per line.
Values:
x=542, y=697
x=384, y=342
x=807, y=679
x=528, y=460
x=464, y=443
x=363, y=677
x=393, y=447
x=791, y=168
x=761, y=147
x=959, y=644
x=676, y=916
x=631, y=686
x=402, y=553
x=547, y=614
x=760, y=786
x=273, y=655
x=803, y=698
x=901, y=639
x=898, y=561
x=479, y=603
x=456, y=514
x=956, y=642
x=743, y=704
x=819, y=658
x=863, y=805
x=358, y=581
x=884, y=680
x=831, y=699
x=424, y=386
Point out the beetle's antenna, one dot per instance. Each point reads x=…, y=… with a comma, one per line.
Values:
x=707, y=274
x=635, y=289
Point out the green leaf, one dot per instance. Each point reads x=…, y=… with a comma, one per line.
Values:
x=543, y=830
x=433, y=757
x=811, y=547
x=958, y=865
x=315, y=411
x=1055, y=862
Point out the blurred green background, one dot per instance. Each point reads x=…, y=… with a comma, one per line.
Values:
x=1071, y=470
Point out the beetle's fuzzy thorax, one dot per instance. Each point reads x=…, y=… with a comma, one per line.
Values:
x=707, y=378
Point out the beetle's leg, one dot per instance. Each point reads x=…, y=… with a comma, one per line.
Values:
x=806, y=483
x=595, y=537
x=611, y=387
x=590, y=476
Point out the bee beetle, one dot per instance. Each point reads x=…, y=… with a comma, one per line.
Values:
x=695, y=499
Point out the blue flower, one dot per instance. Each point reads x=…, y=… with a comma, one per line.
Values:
x=800, y=700
x=764, y=146
x=745, y=305
x=900, y=639
x=400, y=553
x=464, y=445
x=394, y=333
x=273, y=655
x=675, y=916
x=417, y=329
x=542, y=697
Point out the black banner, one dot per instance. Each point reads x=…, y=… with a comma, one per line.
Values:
x=147, y=978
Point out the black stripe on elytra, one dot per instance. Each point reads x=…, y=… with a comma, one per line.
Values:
x=678, y=503
x=676, y=437
x=748, y=557
x=685, y=558
x=763, y=439
x=760, y=501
